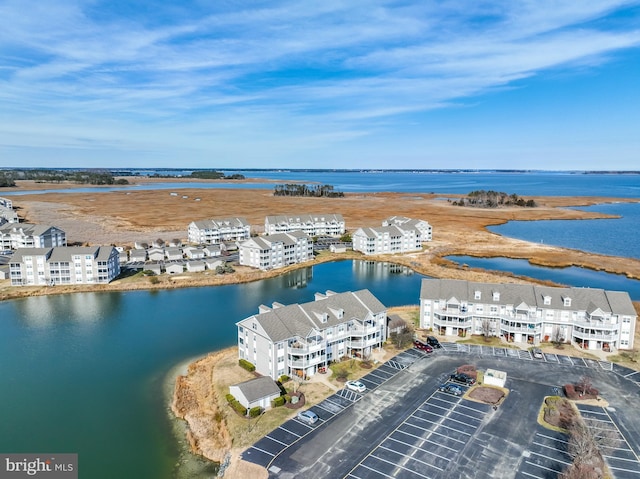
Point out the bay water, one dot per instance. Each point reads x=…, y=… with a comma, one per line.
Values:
x=84, y=373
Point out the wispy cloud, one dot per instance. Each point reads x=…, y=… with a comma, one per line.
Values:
x=333, y=67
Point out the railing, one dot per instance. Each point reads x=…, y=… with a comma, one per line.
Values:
x=304, y=363
x=307, y=348
x=601, y=325
x=600, y=337
x=520, y=329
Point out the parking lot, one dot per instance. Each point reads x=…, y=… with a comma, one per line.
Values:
x=403, y=426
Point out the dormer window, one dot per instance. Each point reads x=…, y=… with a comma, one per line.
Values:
x=547, y=300
x=567, y=302
x=477, y=295
x=496, y=296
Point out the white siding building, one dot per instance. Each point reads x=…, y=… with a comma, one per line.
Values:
x=423, y=227
x=216, y=231
x=64, y=265
x=312, y=224
x=24, y=235
x=276, y=251
x=588, y=318
x=301, y=339
x=386, y=240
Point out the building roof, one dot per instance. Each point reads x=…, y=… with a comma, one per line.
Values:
x=330, y=309
x=258, y=388
x=581, y=299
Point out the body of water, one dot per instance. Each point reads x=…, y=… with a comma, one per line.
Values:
x=615, y=237
x=83, y=373
x=572, y=276
x=525, y=184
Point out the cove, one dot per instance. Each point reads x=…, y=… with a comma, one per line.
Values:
x=571, y=276
x=83, y=373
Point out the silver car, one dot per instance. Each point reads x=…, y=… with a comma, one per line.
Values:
x=308, y=416
x=356, y=386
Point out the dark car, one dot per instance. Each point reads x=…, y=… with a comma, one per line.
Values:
x=433, y=342
x=462, y=379
x=422, y=346
x=451, y=389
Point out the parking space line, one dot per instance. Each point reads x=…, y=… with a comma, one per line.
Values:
x=413, y=458
x=415, y=473
x=622, y=458
x=425, y=440
x=548, y=457
x=555, y=439
x=442, y=425
x=374, y=470
x=529, y=474
x=275, y=440
x=542, y=467
x=262, y=450
x=447, y=417
x=291, y=432
x=549, y=447
x=333, y=413
x=634, y=471
x=431, y=431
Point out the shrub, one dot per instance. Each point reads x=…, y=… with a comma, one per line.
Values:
x=255, y=411
x=246, y=365
x=283, y=379
x=230, y=398
x=287, y=397
x=277, y=402
x=239, y=408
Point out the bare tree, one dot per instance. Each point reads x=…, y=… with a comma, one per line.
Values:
x=557, y=337
x=486, y=328
x=584, y=385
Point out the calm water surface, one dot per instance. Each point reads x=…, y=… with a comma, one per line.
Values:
x=84, y=372
x=572, y=276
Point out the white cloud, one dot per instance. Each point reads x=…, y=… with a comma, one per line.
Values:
x=331, y=71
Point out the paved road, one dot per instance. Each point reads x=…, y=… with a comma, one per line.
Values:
x=402, y=426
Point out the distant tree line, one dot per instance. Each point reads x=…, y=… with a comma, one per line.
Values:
x=316, y=191
x=493, y=199
x=92, y=177
x=6, y=179
x=215, y=175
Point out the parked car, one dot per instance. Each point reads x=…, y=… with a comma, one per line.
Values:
x=356, y=386
x=308, y=416
x=433, y=342
x=422, y=346
x=451, y=389
x=462, y=379
x=537, y=353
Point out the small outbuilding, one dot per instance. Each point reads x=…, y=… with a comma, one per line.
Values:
x=256, y=392
x=175, y=268
x=195, y=266
x=396, y=324
x=493, y=377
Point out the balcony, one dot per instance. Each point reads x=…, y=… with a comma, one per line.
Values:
x=305, y=363
x=302, y=348
x=607, y=336
x=596, y=325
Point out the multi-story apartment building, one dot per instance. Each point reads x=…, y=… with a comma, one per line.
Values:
x=24, y=235
x=276, y=251
x=386, y=240
x=216, y=231
x=301, y=339
x=423, y=227
x=586, y=317
x=7, y=213
x=312, y=224
x=64, y=265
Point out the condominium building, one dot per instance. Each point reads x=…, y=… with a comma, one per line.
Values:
x=64, y=265
x=586, y=317
x=311, y=224
x=7, y=213
x=423, y=227
x=302, y=339
x=216, y=231
x=276, y=251
x=24, y=235
x=386, y=240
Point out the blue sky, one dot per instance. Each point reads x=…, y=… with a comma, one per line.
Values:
x=548, y=84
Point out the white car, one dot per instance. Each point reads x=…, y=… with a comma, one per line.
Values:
x=356, y=386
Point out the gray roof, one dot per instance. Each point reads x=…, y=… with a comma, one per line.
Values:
x=582, y=299
x=258, y=388
x=305, y=218
x=300, y=320
x=16, y=257
x=221, y=223
x=28, y=229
